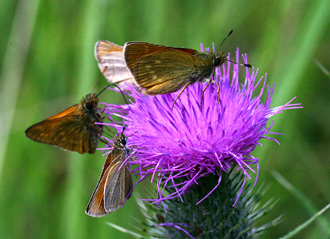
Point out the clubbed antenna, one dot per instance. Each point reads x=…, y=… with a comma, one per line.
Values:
x=231, y=31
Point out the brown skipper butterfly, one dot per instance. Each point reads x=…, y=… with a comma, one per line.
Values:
x=115, y=182
x=161, y=69
x=73, y=129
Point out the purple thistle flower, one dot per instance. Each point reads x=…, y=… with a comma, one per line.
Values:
x=190, y=143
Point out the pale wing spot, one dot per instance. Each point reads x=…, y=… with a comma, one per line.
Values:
x=158, y=61
x=117, y=71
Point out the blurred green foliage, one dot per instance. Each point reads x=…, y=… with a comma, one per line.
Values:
x=47, y=64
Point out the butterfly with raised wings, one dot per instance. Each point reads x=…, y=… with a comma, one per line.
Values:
x=115, y=182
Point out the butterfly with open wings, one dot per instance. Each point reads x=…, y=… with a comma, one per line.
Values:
x=73, y=129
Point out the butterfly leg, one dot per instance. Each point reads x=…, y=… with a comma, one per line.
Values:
x=202, y=98
x=186, y=85
x=111, y=134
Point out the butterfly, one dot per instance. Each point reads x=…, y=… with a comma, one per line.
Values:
x=110, y=56
x=73, y=129
x=161, y=69
x=115, y=182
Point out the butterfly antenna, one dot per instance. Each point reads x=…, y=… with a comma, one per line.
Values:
x=124, y=127
x=133, y=134
x=231, y=31
x=103, y=90
x=241, y=64
x=105, y=68
x=122, y=93
x=246, y=65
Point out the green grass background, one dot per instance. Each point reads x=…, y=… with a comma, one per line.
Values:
x=47, y=64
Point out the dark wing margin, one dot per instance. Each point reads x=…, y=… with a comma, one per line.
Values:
x=95, y=207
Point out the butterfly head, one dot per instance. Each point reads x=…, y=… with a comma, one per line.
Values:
x=119, y=141
x=218, y=58
x=90, y=102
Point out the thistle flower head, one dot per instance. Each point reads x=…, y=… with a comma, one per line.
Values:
x=195, y=138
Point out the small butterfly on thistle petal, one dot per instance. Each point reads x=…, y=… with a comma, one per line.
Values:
x=161, y=69
x=73, y=129
x=115, y=182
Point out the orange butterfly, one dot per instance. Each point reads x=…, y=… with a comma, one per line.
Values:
x=72, y=129
x=114, y=185
x=110, y=56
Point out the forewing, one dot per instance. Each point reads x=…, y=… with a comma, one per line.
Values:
x=106, y=187
x=112, y=157
x=42, y=131
x=65, y=113
x=110, y=56
x=133, y=51
x=165, y=71
x=118, y=185
x=76, y=135
x=103, y=48
x=66, y=130
x=95, y=207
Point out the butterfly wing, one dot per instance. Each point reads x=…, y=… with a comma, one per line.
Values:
x=160, y=69
x=76, y=135
x=110, y=56
x=95, y=207
x=103, y=48
x=42, y=131
x=112, y=188
x=133, y=51
x=158, y=73
x=118, y=183
x=118, y=186
x=67, y=130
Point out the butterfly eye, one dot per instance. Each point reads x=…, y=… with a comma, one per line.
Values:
x=216, y=61
x=123, y=141
x=88, y=105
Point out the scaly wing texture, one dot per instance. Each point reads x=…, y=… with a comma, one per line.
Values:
x=165, y=72
x=95, y=207
x=42, y=131
x=118, y=185
x=113, y=186
x=105, y=47
x=76, y=135
x=66, y=130
x=133, y=51
x=110, y=56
